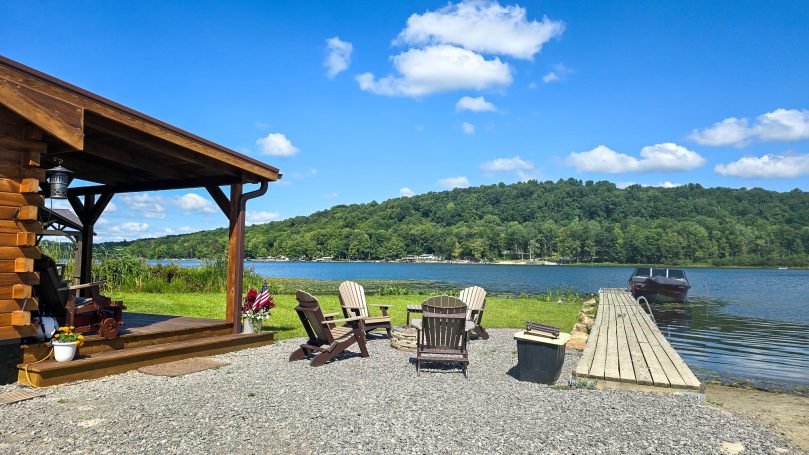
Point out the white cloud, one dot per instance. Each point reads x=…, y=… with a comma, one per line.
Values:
x=103, y=221
x=435, y=69
x=331, y=195
x=479, y=104
x=150, y=206
x=406, y=192
x=111, y=207
x=302, y=175
x=780, y=125
x=260, y=216
x=468, y=128
x=276, y=144
x=130, y=227
x=507, y=165
x=668, y=184
x=660, y=157
x=192, y=202
x=559, y=72
x=338, y=56
x=731, y=131
x=766, y=167
x=783, y=125
x=482, y=26
x=550, y=77
x=184, y=228
x=455, y=182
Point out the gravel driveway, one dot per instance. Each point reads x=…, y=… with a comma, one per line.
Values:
x=260, y=403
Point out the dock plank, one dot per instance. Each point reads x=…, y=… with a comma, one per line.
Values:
x=600, y=357
x=625, y=365
x=611, y=369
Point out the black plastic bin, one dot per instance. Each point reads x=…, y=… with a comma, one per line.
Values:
x=540, y=359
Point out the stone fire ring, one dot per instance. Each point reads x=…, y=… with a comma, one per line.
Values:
x=403, y=338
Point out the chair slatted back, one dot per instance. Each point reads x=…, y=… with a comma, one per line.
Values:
x=311, y=316
x=352, y=299
x=52, y=300
x=475, y=299
x=443, y=321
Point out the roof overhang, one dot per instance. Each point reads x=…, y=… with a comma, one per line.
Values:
x=117, y=147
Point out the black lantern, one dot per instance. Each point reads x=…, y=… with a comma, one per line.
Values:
x=58, y=179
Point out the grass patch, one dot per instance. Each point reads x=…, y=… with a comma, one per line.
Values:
x=500, y=312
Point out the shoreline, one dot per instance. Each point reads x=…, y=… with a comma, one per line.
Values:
x=503, y=262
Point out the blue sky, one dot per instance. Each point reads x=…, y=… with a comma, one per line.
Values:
x=356, y=101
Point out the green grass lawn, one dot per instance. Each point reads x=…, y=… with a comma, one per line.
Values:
x=500, y=312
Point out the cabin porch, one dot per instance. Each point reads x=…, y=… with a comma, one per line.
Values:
x=146, y=339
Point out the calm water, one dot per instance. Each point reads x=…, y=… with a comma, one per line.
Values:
x=747, y=325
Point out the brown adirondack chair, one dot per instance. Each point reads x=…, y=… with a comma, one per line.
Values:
x=325, y=337
x=96, y=313
x=475, y=299
x=352, y=301
x=442, y=332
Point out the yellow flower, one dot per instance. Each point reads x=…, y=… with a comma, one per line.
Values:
x=72, y=328
x=81, y=337
x=56, y=335
x=63, y=329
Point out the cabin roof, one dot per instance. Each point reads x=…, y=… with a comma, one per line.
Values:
x=118, y=147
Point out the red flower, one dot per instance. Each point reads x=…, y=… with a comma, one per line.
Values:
x=249, y=299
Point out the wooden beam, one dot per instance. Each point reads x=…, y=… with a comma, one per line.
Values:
x=59, y=118
x=18, y=265
x=18, y=239
x=8, y=279
x=18, y=199
x=11, y=333
x=152, y=186
x=20, y=226
x=17, y=291
x=15, y=318
x=219, y=197
x=9, y=305
x=16, y=252
x=235, y=258
x=19, y=186
x=22, y=213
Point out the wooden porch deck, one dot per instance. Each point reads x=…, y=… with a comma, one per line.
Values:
x=146, y=339
x=626, y=346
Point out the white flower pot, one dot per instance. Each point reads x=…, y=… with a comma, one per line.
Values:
x=64, y=352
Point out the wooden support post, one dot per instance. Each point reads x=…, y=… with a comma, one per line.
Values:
x=89, y=211
x=235, y=257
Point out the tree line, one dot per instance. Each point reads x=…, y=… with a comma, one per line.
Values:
x=567, y=220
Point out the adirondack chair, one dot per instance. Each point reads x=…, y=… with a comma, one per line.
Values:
x=325, y=337
x=442, y=332
x=352, y=301
x=96, y=313
x=475, y=299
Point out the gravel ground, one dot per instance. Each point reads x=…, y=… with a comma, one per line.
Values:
x=260, y=403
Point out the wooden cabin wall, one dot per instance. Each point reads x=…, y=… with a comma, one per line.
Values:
x=21, y=147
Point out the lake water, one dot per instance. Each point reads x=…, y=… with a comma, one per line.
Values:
x=748, y=325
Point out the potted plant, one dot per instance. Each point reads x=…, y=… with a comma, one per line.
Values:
x=65, y=343
x=256, y=309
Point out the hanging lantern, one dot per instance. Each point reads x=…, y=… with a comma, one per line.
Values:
x=58, y=179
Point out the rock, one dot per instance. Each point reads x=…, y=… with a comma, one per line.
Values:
x=731, y=448
x=586, y=320
x=579, y=327
x=577, y=341
x=403, y=339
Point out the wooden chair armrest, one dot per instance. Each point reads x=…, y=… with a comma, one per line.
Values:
x=339, y=321
x=330, y=315
x=380, y=305
x=86, y=285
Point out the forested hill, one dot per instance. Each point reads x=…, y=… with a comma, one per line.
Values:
x=568, y=219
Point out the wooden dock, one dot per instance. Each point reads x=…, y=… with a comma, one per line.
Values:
x=625, y=346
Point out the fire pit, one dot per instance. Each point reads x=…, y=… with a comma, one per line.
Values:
x=403, y=338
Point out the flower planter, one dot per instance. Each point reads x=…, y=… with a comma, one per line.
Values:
x=64, y=352
x=249, y=326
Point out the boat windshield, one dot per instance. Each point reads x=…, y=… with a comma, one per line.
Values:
x=641, y=271
x=677, y=274
x=658, y=272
